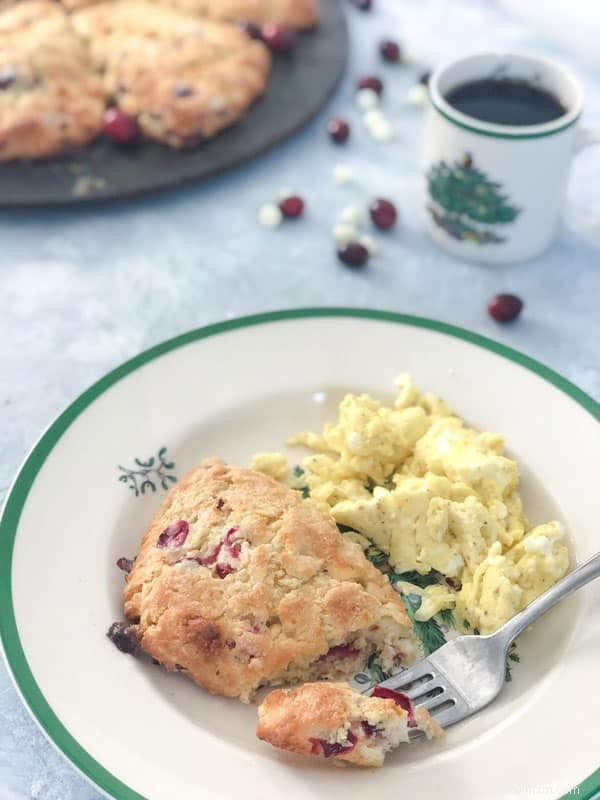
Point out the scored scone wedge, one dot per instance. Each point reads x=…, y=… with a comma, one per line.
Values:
x=333, y=721
x=51, y=99
x=241, y=583
x=183, y=79
x=295, y=13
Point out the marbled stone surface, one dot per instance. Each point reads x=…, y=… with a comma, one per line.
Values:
x=83, y=290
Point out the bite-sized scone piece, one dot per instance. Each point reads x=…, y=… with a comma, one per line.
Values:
x=333, y=721
x=50, y=97
x=240, y=582
x=184, y=79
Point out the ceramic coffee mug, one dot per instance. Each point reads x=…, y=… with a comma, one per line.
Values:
x=494, y=192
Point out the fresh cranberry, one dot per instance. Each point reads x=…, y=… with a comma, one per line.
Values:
x=126, y=564
x=390, y=51
x=369, y=730
x=279, y=38
x=231, y=543
x=353, y=254
x=292, y=207
x=338, y=129
x=123, y=637
x=209, y=560
x=400, y=699
x=371, y=82
x=251, y=28
x=333, y=748
x=174, y=535
x=505, y=307
x=231, y=538
x=119, y=126
x=235, y=549
x=338, y=652
x=223, y=570
x=383, y=213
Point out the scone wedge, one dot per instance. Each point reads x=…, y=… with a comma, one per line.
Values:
x=184, y=79
x=51, y=99
x=295, y=13
x=241, y=583
x=333, y=721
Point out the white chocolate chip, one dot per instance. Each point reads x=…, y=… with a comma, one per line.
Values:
x=269, y=216
x=344, y=233
x=351, y=215
x=218, y=104
x=366, y=98
x=373, y=116
x=381, y=131
x=370, y=243
x=342, y=174
x=418, y=95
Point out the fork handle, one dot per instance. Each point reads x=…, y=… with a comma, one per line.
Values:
x=581, y=575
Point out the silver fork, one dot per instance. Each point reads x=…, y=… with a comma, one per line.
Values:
x=467, y=673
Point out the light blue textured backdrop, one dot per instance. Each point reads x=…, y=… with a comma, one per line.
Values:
x=84, y=289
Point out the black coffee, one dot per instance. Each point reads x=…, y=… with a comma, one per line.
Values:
x=505, y=102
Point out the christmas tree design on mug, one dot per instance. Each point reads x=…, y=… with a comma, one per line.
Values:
x=465, y=200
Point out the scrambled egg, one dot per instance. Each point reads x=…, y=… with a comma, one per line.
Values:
x=432, y=494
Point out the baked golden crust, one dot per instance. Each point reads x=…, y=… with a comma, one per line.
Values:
x=334, y=721
x=295, y=13
x=241, y=582
x=50, y=97
x=184, y=79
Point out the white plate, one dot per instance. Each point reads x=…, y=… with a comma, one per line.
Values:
x=233, y=389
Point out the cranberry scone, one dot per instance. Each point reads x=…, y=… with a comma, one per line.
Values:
x=333, y=721
x=183, y=79
x=295, y=13
x=241, y=583
x=51, y=99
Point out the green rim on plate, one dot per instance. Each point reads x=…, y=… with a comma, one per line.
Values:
x=17, y=496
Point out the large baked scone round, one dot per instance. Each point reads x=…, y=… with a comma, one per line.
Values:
x=241, y=583
x=295, y=13
x=333, y=721
x=50, y=97
x=183, y=79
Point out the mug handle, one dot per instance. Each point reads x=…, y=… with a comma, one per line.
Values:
x=585, y=137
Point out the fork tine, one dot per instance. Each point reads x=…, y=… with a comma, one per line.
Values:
x=420, y=689
x=431, y=702
x=403, y=680
x=451, y=714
